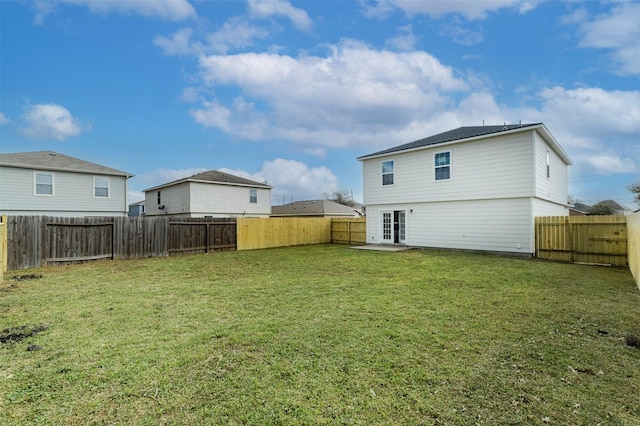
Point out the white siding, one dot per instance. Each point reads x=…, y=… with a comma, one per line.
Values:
x=197, y=199
x=497, y=186
x=546, y=208
x=503, y=225
x=500, y=167
x=228, y=200
x=554, y=188
x=73, y=195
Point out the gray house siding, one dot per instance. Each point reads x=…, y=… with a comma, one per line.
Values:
x=73, y=194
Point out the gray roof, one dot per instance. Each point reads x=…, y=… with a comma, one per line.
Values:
x=217, y=177
x=49, y=160
x=459, y=134
x=313, y=208
x=581, y=207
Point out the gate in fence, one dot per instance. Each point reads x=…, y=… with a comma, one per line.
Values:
x=582, y=239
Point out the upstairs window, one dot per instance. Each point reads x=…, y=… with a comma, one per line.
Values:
x=443, y=165
x=159, y=198
x=43, y=183
x=253, y=195
x=100, y=187
x=387, y=172
x=548, y=164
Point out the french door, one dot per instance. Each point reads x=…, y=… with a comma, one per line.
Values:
x=394, y=227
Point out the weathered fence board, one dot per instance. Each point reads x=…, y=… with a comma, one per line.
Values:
x=37, y=240
x=349, y=230
x=582, y=239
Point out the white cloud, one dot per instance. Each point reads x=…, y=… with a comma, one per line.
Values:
x=405, y=40
x=598, y=128
x=4, y=119
x=139, y=183
x=171, y=10
x=470, y=9
x=42, y=8
x=593, y=111
x=610, y=164
x=179, y=43
x=321, y=102
x=292, y=179
x=619, y=32
x=235, y=33
x=461, y=33
x=268, y=8
x=50, y=121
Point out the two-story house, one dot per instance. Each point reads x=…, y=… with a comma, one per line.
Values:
x=476, y=188
x=52, y=184
x=209, y=194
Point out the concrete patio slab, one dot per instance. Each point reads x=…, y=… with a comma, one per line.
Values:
x=381, y=247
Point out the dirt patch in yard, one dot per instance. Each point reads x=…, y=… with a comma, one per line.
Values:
x=16, y=334
x=26, y=277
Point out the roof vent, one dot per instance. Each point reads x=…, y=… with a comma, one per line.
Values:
x=504, y=126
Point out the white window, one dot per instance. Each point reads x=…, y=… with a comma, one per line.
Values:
x=443, y=165
x=548, y=164
x=43, y=183
x=387, y=172
x=101, y=187
x=253, y=195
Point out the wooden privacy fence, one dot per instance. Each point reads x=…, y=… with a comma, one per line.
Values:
x=34, y=241
x=349, y=230
x=582, y=239
x=633, y=245
x=258, y=233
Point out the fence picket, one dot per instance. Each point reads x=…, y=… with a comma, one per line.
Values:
x=582, y=239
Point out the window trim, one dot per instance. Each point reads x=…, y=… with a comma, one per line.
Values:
x=35, y=184
x=393, y=173
x=548, y=163
x=108, y=187
x=436, y=167
x=253, y=196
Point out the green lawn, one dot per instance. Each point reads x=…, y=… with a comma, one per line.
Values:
x=321, y=335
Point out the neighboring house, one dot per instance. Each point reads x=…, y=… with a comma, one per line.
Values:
x=619, y=209
x=209, y=194
x=53, y=184
x=315, y=208
x=578, y=209
x=476, y=188
x=136, y=209
x=607, y=207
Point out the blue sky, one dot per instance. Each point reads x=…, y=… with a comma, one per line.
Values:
x=292, y=92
